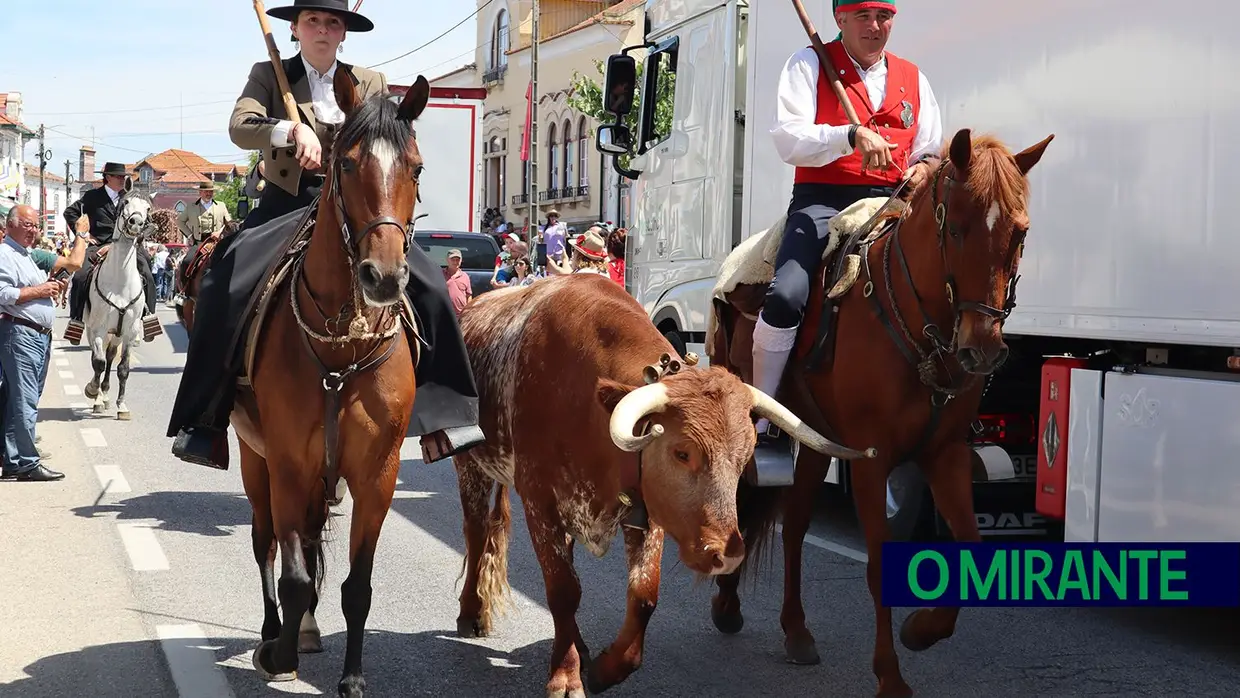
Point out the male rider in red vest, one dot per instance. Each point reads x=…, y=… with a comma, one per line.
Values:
x=838, y=164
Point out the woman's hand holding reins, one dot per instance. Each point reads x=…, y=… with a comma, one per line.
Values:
x=309, y=150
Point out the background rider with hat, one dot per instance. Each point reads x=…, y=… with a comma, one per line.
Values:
x=838, y=164
x=100, y=206
x=293, y=159
x=205, y=217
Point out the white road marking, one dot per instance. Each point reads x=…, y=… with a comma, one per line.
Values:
x=66, y=375
x=144, y=552
x=111, y=479
x=62, y=362
x=850, y=553
x=79, y=405
x=71, y=389
x=93, y=438
x=407, y=494
x=192, y=662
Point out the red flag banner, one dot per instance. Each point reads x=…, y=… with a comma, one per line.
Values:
x=529, y=115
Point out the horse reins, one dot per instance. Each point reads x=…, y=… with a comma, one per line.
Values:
x=941, y=349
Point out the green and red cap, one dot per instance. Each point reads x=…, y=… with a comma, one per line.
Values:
x=854, y=5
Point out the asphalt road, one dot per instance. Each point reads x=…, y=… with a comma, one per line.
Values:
x=134, y=577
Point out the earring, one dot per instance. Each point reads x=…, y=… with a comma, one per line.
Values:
x=340, y=48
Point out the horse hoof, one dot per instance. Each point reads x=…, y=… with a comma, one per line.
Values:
x=910, y=639
x=727, y=623
x=91, y=391
x=123, y=416
x=264, y=654
x=898, y=690
x=802, y=653
x=309, y=639
x=469, y=627
x=97, y=408
x=351, y=687
x=595, y=684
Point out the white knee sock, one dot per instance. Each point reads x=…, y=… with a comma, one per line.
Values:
x=771, y=348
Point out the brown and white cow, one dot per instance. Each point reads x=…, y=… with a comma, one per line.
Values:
x=572, y=425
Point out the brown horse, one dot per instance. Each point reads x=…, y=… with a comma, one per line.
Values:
x=896, y=379
x=331, y=380
x=188, y=276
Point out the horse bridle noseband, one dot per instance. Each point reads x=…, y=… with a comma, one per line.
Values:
x=941, y=348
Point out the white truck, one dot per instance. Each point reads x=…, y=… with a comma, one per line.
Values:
x=450, y=140
x=1120, y=406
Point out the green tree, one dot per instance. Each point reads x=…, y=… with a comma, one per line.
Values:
x=230, y=191
x=587, y=98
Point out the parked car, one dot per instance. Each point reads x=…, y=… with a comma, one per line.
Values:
x=478, y=253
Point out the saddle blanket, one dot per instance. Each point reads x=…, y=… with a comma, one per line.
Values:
x=753, y=261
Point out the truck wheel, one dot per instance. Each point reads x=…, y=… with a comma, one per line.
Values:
x=673, y=338
x=910, y=507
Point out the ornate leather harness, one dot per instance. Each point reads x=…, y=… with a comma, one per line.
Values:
x=942, y=350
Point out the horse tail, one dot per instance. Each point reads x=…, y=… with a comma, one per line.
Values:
x=493, y=589
x=757, y=511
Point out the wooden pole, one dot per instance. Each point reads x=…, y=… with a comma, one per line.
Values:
x=290, y=105
x=824, y=60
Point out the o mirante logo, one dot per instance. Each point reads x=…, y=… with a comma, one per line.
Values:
x=1063, y=574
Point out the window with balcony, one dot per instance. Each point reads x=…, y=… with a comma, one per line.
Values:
x=570, y=161
x=497, y=58
x=583, y=157
x=553, y=163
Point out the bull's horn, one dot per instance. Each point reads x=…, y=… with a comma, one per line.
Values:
x=766, y=406
x=637, y=404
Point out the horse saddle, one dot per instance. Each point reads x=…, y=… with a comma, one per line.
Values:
x=192, y=266
x=99, y=255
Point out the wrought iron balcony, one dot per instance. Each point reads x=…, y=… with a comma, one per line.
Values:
x=494, y=75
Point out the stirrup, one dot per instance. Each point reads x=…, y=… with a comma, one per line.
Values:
x=73, y=332
x=460, y=439
x=151, y=327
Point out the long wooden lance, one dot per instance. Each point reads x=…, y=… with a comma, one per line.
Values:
x=824, y=60
x=290, y=105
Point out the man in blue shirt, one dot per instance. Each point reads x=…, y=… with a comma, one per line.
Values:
x=27, y=311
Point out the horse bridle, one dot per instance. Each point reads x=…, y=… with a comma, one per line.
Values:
x=942, y=349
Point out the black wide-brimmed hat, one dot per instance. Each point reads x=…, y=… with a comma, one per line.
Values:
x=353, y=21
x=115, y=169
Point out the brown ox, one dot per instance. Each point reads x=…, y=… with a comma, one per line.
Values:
x=575, y=351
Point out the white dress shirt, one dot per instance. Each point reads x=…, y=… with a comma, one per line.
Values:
x=802, y=143
x=114, y=195
x=323, y=97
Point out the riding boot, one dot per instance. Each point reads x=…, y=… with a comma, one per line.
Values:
x=151, y=327
x=771, y=349
x=77, y=303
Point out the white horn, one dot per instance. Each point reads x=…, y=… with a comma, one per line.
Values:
x=766, y=406
x=637, y=404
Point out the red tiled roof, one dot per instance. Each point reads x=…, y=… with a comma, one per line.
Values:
x=32, y=174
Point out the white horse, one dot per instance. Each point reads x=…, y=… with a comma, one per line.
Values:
x=117, y=303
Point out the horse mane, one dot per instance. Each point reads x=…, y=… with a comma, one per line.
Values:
x=994, y=175
x=374, y=119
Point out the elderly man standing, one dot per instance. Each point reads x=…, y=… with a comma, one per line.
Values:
x=27, y=311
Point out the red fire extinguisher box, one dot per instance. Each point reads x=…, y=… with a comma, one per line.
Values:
x=1053, y=416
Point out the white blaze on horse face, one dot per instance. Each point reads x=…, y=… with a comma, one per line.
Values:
x=992, y=216
x=385, y=154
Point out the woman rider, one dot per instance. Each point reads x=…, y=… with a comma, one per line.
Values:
x=446, y=411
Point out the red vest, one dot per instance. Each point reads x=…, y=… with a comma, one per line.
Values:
x=895, y=120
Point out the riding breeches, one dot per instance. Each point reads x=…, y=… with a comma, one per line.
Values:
x=800, y=252
x=79, y=292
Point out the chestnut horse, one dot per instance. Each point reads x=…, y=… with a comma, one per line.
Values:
x=324, y=405
x=188, y=277
x=897, y=380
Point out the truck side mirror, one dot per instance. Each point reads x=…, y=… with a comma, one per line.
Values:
x=614, y=139
x=620, y=84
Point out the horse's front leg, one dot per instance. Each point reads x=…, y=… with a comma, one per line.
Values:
x=255, y=480
x=870, y=494
x=645, y=553
x=950, y=475
x=122, y=378
x=372, y=498
x=97, y=365
x=106, y=386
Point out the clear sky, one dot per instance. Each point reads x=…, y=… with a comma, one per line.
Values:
x=124, y=67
